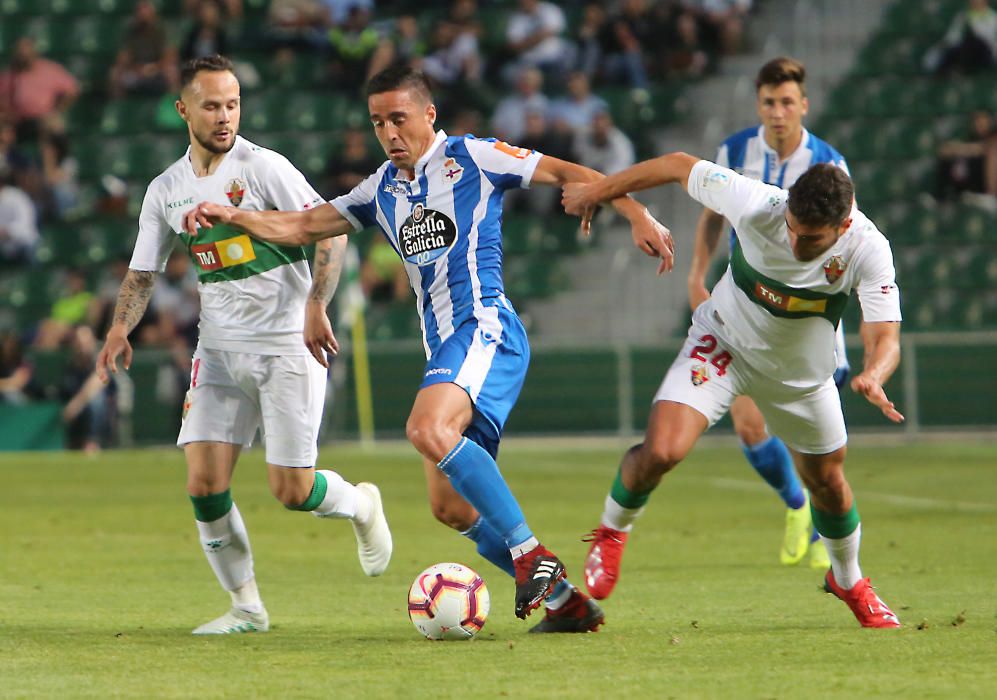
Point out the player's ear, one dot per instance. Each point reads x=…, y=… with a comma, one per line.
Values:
x=181, y=109
x=431, y=113
x=804, y=106
x=845, y=225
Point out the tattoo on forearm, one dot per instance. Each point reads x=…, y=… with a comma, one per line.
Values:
x=133, y=298
x=328, y=266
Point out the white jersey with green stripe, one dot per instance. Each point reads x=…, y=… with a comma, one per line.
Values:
x=252, y=293
x=779, y=314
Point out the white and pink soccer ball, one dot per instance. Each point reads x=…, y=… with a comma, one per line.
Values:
x=448, y=601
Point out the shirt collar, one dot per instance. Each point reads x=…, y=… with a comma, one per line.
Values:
x=768, y=150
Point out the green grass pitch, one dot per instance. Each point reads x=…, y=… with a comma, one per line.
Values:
x=102, y=579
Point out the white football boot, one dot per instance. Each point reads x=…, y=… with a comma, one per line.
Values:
x=236, y=621
x=373, y=537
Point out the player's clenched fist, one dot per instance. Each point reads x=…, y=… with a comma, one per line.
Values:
x=205, y=215
x=576, y=199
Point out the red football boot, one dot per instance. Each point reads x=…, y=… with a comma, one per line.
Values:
x=578, y=614
x=868, y=607
x=602, y=565
x=537, y=572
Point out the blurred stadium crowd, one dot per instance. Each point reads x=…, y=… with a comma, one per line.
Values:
x=87, y=119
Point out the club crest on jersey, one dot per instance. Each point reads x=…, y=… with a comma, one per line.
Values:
x=235, y=191
x=834, y=268
x=452, y=172
x=700, y=375
x=425, y=235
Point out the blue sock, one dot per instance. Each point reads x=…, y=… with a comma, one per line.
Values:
x=772, y=461
x=492, y=548
x=490, y=545
x=475, y=476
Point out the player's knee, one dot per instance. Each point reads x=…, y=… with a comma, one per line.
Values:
x=657, y=459
x=204, y=485
x=290, y=493
x=751, y=433
x=429, y=437
x=457, y=516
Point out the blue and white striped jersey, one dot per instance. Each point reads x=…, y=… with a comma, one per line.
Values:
x=747, y=153
x=446, y=225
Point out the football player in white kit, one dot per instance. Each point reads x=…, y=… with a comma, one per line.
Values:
x=767, y=332
x=261, y=310
x=777, y=151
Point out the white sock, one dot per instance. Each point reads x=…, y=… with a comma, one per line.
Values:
x=342, y=499
x=247, y=597
x=844, y=555
x=617, y=517
x=521, y=549
x=558, y=598
x=226, y=545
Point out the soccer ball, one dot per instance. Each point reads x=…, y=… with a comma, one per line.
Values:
x=448, y=601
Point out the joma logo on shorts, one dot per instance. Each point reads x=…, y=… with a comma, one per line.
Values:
x=439, y=370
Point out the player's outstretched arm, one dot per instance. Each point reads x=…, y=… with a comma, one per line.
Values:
x=280, y=227
x=133, y=299
x=674, y=167
x=326, y=269
x=882, y=355
x=649, y=235
x=708, y=230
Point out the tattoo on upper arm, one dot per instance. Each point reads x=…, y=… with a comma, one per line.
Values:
x=133, y=298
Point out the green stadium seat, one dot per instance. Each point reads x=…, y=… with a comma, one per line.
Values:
x=77, y=8
x=130, y=115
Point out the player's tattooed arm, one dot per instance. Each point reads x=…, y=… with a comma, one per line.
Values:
x=133, y=299
x=326, y=269
x=328, y=265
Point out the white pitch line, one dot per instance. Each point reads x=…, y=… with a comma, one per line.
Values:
x=894, y=499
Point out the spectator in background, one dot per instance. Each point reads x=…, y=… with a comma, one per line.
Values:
x=17, y=383
x=296, y=23
x=576, y=109
x=604, y=147
x=454, y=57
x=147, y=62
x=88, y=407
x=207, y=36
x=630, y=34
x=14, y=160
x=721, y=23
x=382, y=274
x=409, y=44
x=466, y=121
x=175, y=302
x=509, y=118
x=682, y=54
x=358, y=50
x=60, y=171
x=350, y=165
x=18, y=223
x=534, y=38
x=968, y=166
x=553, y=139
x=32, y=88
x=338, y=11
x=230, y=9
x=74, y=307
x=970, y=44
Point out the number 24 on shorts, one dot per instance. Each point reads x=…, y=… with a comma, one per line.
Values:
x=721, y=360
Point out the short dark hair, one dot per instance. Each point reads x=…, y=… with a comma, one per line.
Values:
x=782, y=70
x=822, y=196
x=191, y=68
x=401, y=77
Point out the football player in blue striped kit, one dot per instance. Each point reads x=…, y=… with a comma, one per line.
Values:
x=776, y=152
x=438, y=201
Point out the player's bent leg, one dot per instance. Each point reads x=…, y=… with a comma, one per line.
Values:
x=223, y=536
x=836, y=518
x=439, y=417
x=326, y=494
x=673, y=429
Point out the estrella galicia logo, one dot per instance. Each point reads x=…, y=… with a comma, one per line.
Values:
x=426, y=235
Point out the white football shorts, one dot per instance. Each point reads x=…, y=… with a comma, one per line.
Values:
x=232, y=394
x=708, y=377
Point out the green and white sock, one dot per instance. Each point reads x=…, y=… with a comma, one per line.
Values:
x=334, y=497
x=623, y=506
x=842, y=535
x=224, y=539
